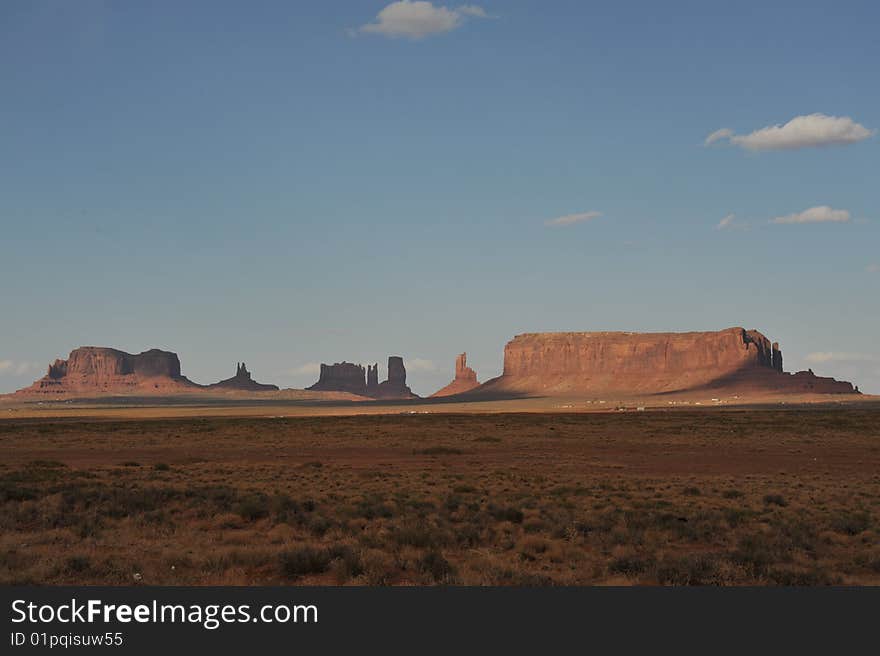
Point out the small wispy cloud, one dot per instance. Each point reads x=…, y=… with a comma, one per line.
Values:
x=819, y=214
x=811, y=130
x=309, y=368
x=420, y=364
x=820, y=357
x=730, y=222
x=571, y=219
x=873, y=268
x=416, y=19
x=17, y=368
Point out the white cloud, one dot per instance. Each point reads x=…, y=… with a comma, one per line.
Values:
x=17, y=368
x=799, y=132
x=420, y=364
x=820, y=214
x=309, y=368
x=873, y=268
x=416, y=19
x=571, y=219
x=718, y=135
x=837, y=356
x=726, y=223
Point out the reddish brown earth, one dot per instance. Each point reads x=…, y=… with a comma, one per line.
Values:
x=650, y=363
x=93, y=370
x=465, y=379
x=243, y=381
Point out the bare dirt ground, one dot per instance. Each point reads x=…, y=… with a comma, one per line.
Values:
x=776, y=495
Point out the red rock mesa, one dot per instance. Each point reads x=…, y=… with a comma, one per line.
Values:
x=243, y=381
x=91, y=370
x=651, y=363
x=465, y=379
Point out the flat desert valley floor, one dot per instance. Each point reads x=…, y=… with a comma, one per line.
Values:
x=777, y=495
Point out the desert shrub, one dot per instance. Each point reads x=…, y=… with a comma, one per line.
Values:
x=434, y=564
x=732, y=494
x=46, y=464
x=372, y=508
x=695, y=569
x=15, y=492
x=253, y=507
x=691, y=492
x=851, y=523
x=506, y=514
x=162, y=466
x=628, y=565
x=130, y=463
x=418, y=534
x=439, y=451
x=775, y=500
x=757, y=552
x=77, y=564
x=799, y=577
x=305, y=560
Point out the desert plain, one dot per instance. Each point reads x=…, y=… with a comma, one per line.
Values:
x=530, y=491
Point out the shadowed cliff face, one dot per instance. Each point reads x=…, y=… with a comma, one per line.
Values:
x=649, y=363
x=353, y=378
x=341, y=377
x=92, y=369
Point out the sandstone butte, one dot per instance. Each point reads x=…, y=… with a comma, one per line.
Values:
x=242, y=381
x=465, y=379
x=634, y=364
x=353, y=378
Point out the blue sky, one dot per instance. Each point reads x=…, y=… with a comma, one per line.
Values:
x=287, y=183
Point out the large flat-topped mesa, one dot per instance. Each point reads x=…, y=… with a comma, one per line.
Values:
x=93, y=369
x=649, y=363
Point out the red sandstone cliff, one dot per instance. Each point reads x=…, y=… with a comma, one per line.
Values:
x=650, y=363
x=92, y=370
x=242, y=381
x=465, y=379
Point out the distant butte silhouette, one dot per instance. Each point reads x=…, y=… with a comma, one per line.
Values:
x=353, y=378
x=242, y=381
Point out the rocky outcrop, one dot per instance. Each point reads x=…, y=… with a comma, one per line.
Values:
x=93, y=370
x=242, y=381
x=650, y=363
x=465, y=379
x=395, y=386
x=353, y=378
x=341, y=377
x=372, y=379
